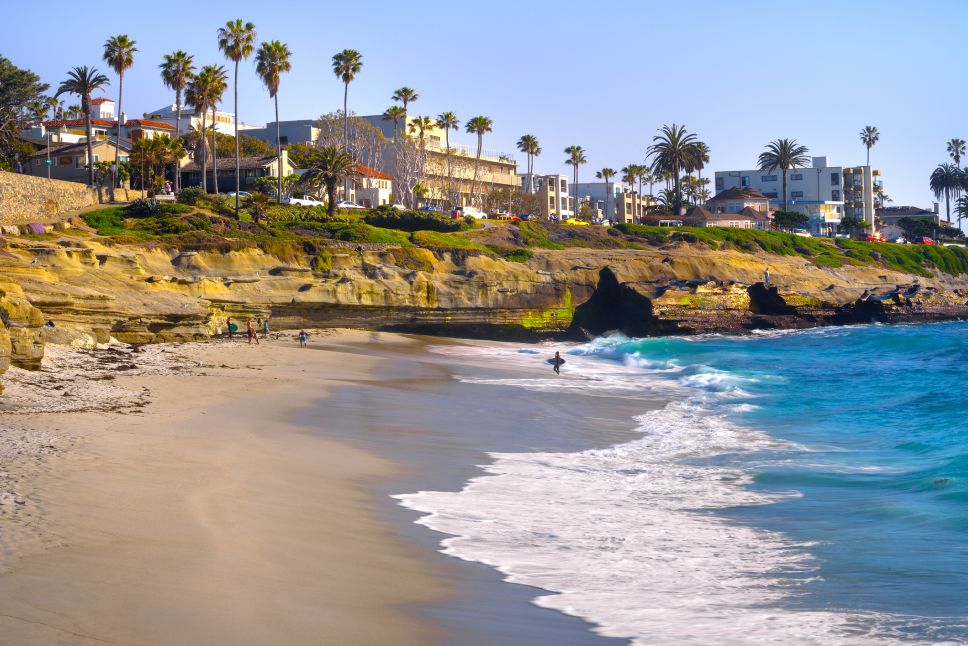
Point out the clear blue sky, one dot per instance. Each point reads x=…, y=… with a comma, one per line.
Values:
x=603, y=75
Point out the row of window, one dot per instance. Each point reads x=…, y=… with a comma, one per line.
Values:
x=794, y=177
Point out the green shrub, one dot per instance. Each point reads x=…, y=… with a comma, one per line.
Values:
x=322, y=261
x=189, y=195
x=390, y=218
x=142, y=206
x=107, y=222
x=532, y=234
x=437, y=240
x=512, y=254
x=654, y=235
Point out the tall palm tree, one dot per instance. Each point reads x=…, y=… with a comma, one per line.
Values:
x=448, y=121
x=606, y=174
x=237, y=40
x=672, y=151
x=218, y=83
x=119, y=54
x=946, y=180
x=528, y=144
x=176, y=70
x=420, y=125
x=869, y=136
x=196, y=95
x=395, y=114
x=271, y=61
x=956, y=148
x=83, y=81
x=961, y=209
x=479, y=125
x=576, y=157
x=327, y=166
x=700, y=158
x=406, y=96
x=346, y=65
x=783, y=154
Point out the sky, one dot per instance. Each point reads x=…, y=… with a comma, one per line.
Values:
x=604, y=75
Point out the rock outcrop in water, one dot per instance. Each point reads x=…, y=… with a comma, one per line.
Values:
x=145, y=295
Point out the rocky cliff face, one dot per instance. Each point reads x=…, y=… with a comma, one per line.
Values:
x=145, y=295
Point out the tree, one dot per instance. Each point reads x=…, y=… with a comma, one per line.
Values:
x=576, y=157
x=790, y=220
x=672, y=151
x=700, y=156
x=961, y=209
x=176, y=70
x=528, y=144
x=518, y=202
x=196, y=95
x=346, y=65
x=258, y=206
x=328, y=166
x=216, y=87
x=236, y=40
x=84, y=81
x=420, y=125
x=395, y=114
x=448, y=121
x=956, y=148
x=479, y=126
x=119, y=54
x=947, y=180
x=406, y=96
x=869, y=136
x=606, y=174
x=271, y=62
x=19, y=89
x=783, y=154
x=851, y=225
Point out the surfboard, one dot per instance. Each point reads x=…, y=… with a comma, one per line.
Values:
x=553, y=361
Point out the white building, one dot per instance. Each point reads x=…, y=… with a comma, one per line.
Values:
x=553, y=191
x=614, y=201
x=823, y=193
x=224, y=121
x=299, y=131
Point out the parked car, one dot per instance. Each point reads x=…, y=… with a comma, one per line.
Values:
x=241, y=194
x=303, y=201
x=874, y=238
x=346, y=204
x=427, y=209
x=901, y=240
x=803, y=233
x=576, y=222
x=471, y=212
x=527, y=216
x=398, y=207
x=927, y=240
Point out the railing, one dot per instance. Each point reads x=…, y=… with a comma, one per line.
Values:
x=471, y=151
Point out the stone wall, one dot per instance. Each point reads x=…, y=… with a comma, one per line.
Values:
x=25, y=198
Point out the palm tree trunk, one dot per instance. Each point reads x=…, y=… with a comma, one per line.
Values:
x=783, y=170
x=450, y=172
x=214, y=151
x=477, y=164
x=869, y=156
x=278, y=153
x=331, y=194
x=346, y=136
x=117, y=139
x=177, y=134
x=90, y=148
x=237, y=163
x=204, y=155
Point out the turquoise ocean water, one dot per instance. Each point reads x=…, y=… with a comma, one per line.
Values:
x=801, y=487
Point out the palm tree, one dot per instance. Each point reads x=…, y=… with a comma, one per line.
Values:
x=700, y=158
x=346, y=65
x=394, y=113
x=420, y=125
x=672, y=151
x=176, y=70
x=236, y=40
x=606, y=174
x=83, y=81
x=119, y=54
x=956, y=148
x=576, y=157
x=947, y=180
x=406, y=96
x=217, y=84
x=869, y=136
x=528, y=144
x=783, y=154
x=271, y=61
x=196, y=95
x=448, y=121
x=479, y=126
x=327, y=166
x=961, y=209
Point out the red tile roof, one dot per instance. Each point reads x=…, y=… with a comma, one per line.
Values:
x=366, y=171
x=77, y=122
x=147, y=123
x=143, y=123
x=100, y=100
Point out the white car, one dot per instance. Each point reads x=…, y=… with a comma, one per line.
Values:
x=304, y=201
x=803, y=233
x=471, y=212
x=346, y=204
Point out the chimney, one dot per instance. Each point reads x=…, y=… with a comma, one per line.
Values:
x=122, y=119
x=937, y=211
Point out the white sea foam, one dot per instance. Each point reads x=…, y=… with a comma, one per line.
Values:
x=628, y=538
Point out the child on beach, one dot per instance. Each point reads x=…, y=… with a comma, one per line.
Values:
x=303, y=337
x=250, y=330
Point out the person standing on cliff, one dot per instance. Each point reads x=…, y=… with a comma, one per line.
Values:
x=766, y=277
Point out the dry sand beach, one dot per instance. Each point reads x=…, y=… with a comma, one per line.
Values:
x=166, y=500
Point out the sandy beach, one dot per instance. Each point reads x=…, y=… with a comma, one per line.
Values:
x=168, y=499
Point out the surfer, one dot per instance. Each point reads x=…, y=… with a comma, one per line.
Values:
x=556, y=362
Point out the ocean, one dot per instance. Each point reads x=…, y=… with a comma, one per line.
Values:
x=805, y=487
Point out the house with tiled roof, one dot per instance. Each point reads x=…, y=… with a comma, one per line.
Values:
x=68, y=161
x=250, y=169
x=748, y=218
x=372, y=187
x=736, y=199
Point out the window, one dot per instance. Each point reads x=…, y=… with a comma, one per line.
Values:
x=835, y=195
x=770, y=194
x=835, y=179
x=564, y=186
x=796, y=194
x=551, y=202
x=719, y=184
x=745, y=180
x=64, y=161
x=283, y=140
x=796, y=177
x=768, y=178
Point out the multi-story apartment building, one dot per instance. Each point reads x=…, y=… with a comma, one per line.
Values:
x=553, y=193
x=299, y=131
x=224, y=121
x=819, y=191
x=614, y=201
x=447, y=175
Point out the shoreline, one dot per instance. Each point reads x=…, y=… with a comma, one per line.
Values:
x=206, y=515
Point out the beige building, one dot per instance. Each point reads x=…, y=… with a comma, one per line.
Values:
x=630, y=207
x=69, y=161
x=553, y=194
x=861, y=185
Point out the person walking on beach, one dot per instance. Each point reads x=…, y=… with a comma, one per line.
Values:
x=556, y=362
x=250, y=331
x=265, y=328
x=228, y=322
x=303, y=337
